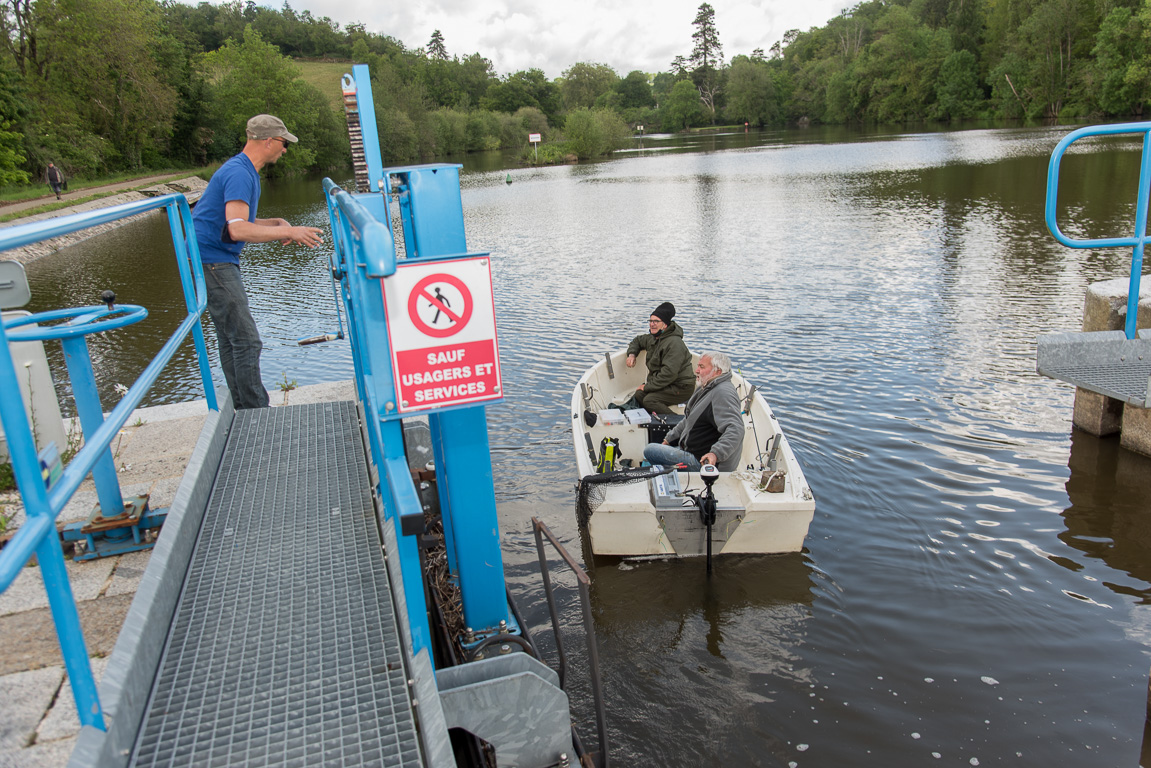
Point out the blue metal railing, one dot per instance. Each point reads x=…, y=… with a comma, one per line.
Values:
x=1139, y=239
x=42, y=505
x=364, y=252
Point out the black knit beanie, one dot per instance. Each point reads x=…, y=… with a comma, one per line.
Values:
x=665, y=312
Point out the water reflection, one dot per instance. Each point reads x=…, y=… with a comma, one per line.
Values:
x=1109, y=517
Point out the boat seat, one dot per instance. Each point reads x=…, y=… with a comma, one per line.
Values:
x=660, y=425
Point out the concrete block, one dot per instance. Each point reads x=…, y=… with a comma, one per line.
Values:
x=1136, y=430
x=1105, y=309
x=87, y=578
x=52, y=754
x=62, y=721
x=1097, y=414
x=1105, y=305
x=26, y=697
x=129, y=571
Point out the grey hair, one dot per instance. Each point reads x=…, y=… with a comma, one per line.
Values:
x=718, y=360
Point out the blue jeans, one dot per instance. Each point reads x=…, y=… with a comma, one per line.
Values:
x=669, y=456
x=236, y=334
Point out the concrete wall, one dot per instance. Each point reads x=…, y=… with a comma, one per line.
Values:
x=1105, y=309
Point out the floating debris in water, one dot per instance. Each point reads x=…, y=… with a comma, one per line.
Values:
x=989, y=680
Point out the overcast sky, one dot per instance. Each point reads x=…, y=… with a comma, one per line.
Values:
x=624, y=34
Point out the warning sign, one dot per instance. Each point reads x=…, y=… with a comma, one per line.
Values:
x=442, y=332
x=430, y=305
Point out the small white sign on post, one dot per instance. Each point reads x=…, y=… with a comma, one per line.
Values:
x=534, y=138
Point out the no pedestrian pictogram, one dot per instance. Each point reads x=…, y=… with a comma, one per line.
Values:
x=440, y=305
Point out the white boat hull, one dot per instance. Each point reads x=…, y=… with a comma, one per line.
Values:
x=750, y=520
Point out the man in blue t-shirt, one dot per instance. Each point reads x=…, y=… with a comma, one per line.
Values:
x=225, y=219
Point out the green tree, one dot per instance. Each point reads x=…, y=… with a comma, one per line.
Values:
x=594, y=132
x=250, y=78
x=100, y=74
x=584, y=82
x=897, y=71
x=750, y=92
x=11, y=140
x=1121, y=67
x=957, y=90
x=1042, y=58
x=661, y=86
x=707, y=51
x=475, y=76
x=527, y=88
x=635, y=91
x=19, y=28
x=706, y=58
x=683, y=108
x=436, y=47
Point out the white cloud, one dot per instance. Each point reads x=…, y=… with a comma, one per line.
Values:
x=626, y=35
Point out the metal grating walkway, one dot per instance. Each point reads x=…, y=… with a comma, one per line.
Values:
x=284, y=648
x=1106, y=362
x=1122, y=382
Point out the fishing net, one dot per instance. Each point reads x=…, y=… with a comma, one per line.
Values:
x=592, y=488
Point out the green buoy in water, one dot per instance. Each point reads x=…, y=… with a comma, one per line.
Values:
x=509, y=178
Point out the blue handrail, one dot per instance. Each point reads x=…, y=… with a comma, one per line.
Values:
x=364, y=253
x=1139, y=239
x=42, y=505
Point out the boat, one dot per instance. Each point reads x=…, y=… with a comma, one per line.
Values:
x=764, y=507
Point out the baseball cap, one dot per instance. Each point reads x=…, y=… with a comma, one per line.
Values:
x=268, y=127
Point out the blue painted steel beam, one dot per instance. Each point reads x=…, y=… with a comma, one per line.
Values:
x=464, y=464
x=364, y=253
x=366, y=103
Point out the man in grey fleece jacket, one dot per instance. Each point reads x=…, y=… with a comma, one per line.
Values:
x=712, y=430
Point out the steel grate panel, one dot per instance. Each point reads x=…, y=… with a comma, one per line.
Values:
x=1126, y=380
x=284, y=649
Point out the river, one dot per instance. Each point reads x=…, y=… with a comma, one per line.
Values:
x=975, y=585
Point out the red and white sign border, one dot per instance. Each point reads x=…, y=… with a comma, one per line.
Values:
x=404, y=336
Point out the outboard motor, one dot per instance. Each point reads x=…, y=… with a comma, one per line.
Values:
x=705, y=501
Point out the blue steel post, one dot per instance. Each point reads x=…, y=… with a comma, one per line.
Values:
x=69, y=632
x=464, y=471
x=445, y=503
x=195, y=291
x=1140, y=234
x=91, y=415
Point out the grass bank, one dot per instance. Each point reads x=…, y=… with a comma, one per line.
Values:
x=99, y=188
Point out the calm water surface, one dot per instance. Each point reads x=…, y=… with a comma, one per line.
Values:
x=975, y=585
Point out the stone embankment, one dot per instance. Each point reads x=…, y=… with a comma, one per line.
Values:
x=191, y=187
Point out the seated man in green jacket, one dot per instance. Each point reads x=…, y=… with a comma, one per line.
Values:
x=670, y=379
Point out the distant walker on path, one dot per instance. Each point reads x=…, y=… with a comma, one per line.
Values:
x=55, y=179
